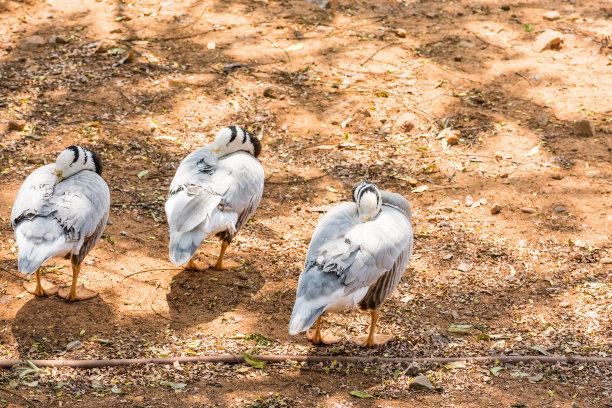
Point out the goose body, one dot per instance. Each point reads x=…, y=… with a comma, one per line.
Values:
x=213, y=193
x=61, y=209
x=352, y=262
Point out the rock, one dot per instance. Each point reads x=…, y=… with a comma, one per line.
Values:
x=413, y=370
x=496, y=209
x=505, y=7
x=16, y=124
x=74, y=345
x=452, y=137
x=386, y=128
x=466, y=44
x=320, y=3
x=549, y=39
x=565, y=304
x=469, y=200
x=401, y=33
x=406, y=122
x=584, y=128
x=431, y=14
x=421, y=383
x=447, y=257
x=557, y=176
x=270, y=93
x=31, y=42
x=606, y=261
x=559, y=209
x=58, y=39
x=542, y=119
x=123, y=233
x=528, y=210
x=593, y=174
x=5, y=299
x=464, y=267
x=552, y=15
x=102, y=46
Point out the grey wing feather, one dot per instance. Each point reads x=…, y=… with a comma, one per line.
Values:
x=51, y=220
x=245, y=193
x=33, y=194
x=346, y=256
x=210, y=196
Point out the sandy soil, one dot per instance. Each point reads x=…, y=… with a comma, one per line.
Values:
x=355, y=91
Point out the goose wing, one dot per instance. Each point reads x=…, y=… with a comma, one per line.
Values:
x=346, y=256
x=209, y=196
x=51, y=220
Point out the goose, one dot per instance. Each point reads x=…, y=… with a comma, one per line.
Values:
x=61, y=209
x=357, y=256
x=215, y=191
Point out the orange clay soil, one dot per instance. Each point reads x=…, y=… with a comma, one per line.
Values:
x=356, y=91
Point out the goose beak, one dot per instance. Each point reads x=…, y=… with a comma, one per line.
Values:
x=215, y=150
x=366, y=219
x=58, y=173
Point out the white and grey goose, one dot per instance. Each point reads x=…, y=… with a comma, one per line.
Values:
x=61, y=209
x=357, y=256
x=215, y=191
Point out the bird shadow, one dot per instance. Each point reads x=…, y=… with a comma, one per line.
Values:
x=199, y=297
x=63, y=322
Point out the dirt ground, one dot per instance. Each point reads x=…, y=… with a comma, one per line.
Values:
x=354, y=91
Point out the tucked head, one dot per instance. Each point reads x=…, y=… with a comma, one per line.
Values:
x=234, y=138
x=74, y=159
x=367, y=197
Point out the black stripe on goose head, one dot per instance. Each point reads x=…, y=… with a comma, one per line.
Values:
x=360, y=189
x=255, y=142
x=97, y=162
x=75, y=151
x=234, y=130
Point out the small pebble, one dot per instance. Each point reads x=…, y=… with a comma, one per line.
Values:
x=606, y=260
x=421, y=383
x=557, y=176
x=452, y=137
x=464, y=267
x=401, y=33
x=16, y=124
x=584, y=128
x=528, y=210
x=559, y=209
x=124, y=233
x=74, y=345
x=552, y=15
x=496, y=209
x=447, y=257
x=469, y=200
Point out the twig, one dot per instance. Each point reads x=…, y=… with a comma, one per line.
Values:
x=239, y=359
x=379, y=50
x=82, y=101
x=450, y=72
x=125, y=97
x=524, y=77
x=488, y=43
x=150, y=270
x=151, y=305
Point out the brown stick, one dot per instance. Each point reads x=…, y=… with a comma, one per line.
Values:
x=238, y=359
